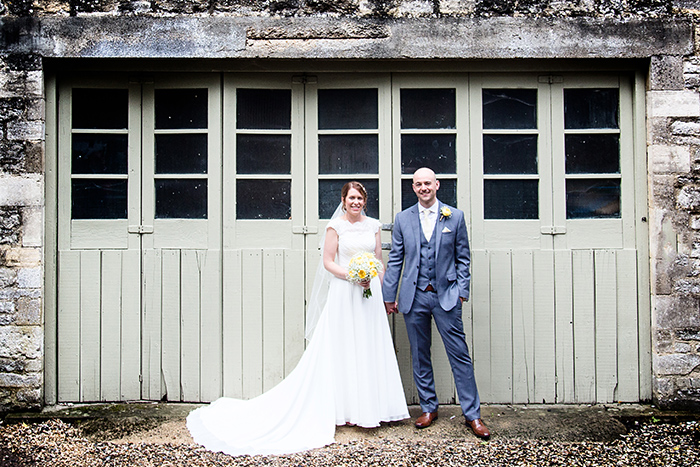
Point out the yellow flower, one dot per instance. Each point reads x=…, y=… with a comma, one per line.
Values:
x=361, y=273
x=445, y=213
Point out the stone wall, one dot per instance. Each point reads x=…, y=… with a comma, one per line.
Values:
x=21, y=231
x=493, y=29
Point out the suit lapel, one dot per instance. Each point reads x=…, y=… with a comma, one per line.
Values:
x=416, y=227
x=438, y=231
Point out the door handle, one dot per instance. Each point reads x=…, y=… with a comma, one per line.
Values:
x=304, y=229
x=141, y=229
x=553, y=230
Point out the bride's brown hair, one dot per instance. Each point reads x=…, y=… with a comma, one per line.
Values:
x=346, y=188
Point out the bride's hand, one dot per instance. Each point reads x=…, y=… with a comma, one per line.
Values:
x=364, y=284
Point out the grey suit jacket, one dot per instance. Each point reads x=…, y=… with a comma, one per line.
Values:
x=453, y=259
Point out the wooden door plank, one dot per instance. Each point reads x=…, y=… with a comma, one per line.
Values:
x=90, y=268
x=563, y=294
x=627, y=321
x=232, y=325
x=251, y=273
x=69, y=326
x=151, y=340
x=501, y=289
x=191, y=322
x=171, y=324
x=211, y=326
x=294, y=308
x=111, y=332
x=545, y=358
x=273, y=317
x=481, y=319
x=584, y=326
x=606, y=325
x=131, y=325
x=523, y=328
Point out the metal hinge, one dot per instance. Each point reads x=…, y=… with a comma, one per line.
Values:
x=141, y=229
x=388, y=227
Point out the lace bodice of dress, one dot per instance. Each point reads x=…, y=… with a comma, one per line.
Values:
x=353, y=238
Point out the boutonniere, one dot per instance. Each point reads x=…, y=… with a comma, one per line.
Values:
x=445, y=213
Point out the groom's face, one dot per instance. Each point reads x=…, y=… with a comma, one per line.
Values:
x=425, y=186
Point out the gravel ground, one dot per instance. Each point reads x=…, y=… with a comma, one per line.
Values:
x=56, y=443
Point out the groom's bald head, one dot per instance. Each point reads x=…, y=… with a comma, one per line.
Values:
x=425, y=186
x=424, y=173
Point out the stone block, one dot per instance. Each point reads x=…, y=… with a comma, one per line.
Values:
x=21, y=342
x=688, y=334
x=13, y=380
x=682, y=347
x=30, y=396
x=669, y=159
x=33, y=227
x=25, y=190
x=688, y=198
x=29, y=278
x=673, y=312
x=666, y=72
x=680, y=128
x=28, y=312
x=675, y=364
x=22, y=257
x=25, y=130
x=8, y=277
x=673, y=104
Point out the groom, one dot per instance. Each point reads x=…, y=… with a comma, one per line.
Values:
x=429, y=242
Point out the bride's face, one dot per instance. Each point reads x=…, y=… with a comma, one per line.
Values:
x=354, y=202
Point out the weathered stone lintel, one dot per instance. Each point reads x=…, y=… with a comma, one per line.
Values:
x=307, y=38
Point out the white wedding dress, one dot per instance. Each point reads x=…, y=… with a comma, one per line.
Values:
x=348, y=374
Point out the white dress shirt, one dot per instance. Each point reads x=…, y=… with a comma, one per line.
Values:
x=428, y=216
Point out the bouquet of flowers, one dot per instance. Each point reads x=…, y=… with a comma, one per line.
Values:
x=364, y=266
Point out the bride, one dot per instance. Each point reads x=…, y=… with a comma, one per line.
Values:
x=348, y=373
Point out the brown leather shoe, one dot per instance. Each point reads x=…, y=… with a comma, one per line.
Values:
x=479, y=429
x=425, y=420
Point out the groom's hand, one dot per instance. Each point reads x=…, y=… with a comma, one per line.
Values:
x=391, y=308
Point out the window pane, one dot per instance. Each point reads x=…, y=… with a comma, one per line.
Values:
x=263, y=154
x=99, y=154
x=345, y=109
x=592, y=199
x=510, y=108
x=434, y=151
x=592, y=154
x=181, y=199
x=181, y=154
x=100, y=108
x=447, y=193
x=98, y=199
x=269, y=109
x=343, y=154
x=591, y=108
x=263, y=199
x=510, y=154
x=181, y=108
x=329, y=197
x=511, y=199
x=428, y=108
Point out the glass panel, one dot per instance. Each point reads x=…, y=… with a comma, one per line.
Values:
x=346, y=109
x=447, y=193
x=511, y=199
x=592, y=154
x=329, y=197
x=181, y=199
x=510, y=108
x=428, y=108
x=434, y=151
x=263, y=154
x=269, y=109
x=98, y=199
x=346, y=154
x=99, y=154
x=181, y=154
x=591, y=108
x=181, y=108
x=587, y=199
x=510, y=154
x=263, y=199
x=100, y=108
